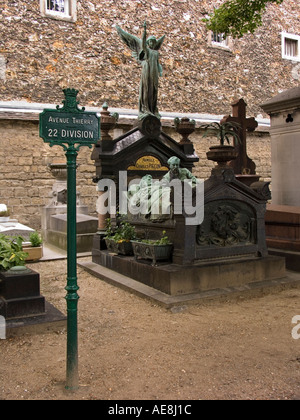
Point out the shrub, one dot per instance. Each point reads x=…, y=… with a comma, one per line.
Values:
x=11, y=252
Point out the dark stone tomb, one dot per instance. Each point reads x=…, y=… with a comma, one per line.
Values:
x=22, y=305
x=20, y=294
x=143, y=150
x=227, y=250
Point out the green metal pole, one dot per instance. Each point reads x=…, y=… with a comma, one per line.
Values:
x=72, y=297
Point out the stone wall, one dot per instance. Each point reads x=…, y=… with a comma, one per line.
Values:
x=26, y=181
x=258, y=149
x=39, y=55
x=25, y=178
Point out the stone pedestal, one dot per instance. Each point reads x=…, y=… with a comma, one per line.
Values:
x=284, y=110
x=177, y=280
x=20, y=294
x=283, y=233
x=283, y=216
x=86, y=227
x=54, y=215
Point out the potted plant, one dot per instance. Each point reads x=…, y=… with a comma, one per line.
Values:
x=11, y=252
x=4, y=213
x=224, y=131
x=155, y=250
x=34, y=248
x=19, y=285
x=118, y=240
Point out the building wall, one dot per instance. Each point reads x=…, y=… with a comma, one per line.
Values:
x=39, y=56
x=25, y=177
x=26, y=181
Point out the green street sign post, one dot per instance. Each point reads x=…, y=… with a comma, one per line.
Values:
x=70, y=128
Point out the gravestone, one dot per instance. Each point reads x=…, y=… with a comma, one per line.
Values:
x=283, y=214
x=243, y=166
x=14, y=228
x=54, y=215
x=86, y=227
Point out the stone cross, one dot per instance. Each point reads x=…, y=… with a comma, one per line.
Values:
x=242, y=164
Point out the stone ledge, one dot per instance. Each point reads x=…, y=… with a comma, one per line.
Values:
x=52, y=320
x=203, y=275
x=177, y=303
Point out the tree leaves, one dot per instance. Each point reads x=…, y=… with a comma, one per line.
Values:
x=238, y=17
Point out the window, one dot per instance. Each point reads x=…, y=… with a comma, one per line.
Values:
x=290, y=47
x=218, y=40
x=58, y=6
x=59, y=9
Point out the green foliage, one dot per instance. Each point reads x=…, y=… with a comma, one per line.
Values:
x=11, y=252
x=5, y=213
x=164, y=240
x=223, y=131
x=35, y=239
x=123, y=232
x=238, y=17
x=109, y=232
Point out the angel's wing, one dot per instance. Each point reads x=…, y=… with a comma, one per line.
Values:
x=132, y=41
x=159, y=42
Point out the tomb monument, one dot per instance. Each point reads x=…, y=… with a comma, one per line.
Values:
x=54, y=214
x=283, y=214
x=222, y=251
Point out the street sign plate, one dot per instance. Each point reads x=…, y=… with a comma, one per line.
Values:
x=69, y=124
x=69, y=127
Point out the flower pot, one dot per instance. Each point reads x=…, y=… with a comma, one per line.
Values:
x=153, y=252
x=35, y=253
x=122, y=248
x=222, y=154
x=185, y=127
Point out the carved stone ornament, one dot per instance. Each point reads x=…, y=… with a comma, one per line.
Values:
x=226, y=224
x=185, y=127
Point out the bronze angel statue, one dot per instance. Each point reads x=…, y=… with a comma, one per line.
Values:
x=145, y=51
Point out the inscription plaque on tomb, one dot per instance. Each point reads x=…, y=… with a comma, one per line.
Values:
x=145, y=163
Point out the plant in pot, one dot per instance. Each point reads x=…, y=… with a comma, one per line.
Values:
x=155, y=250
x=19, y=285
x=225, y=131
x=118, y=239
x=4, y=213
x=34, y=247
x=12, y=255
